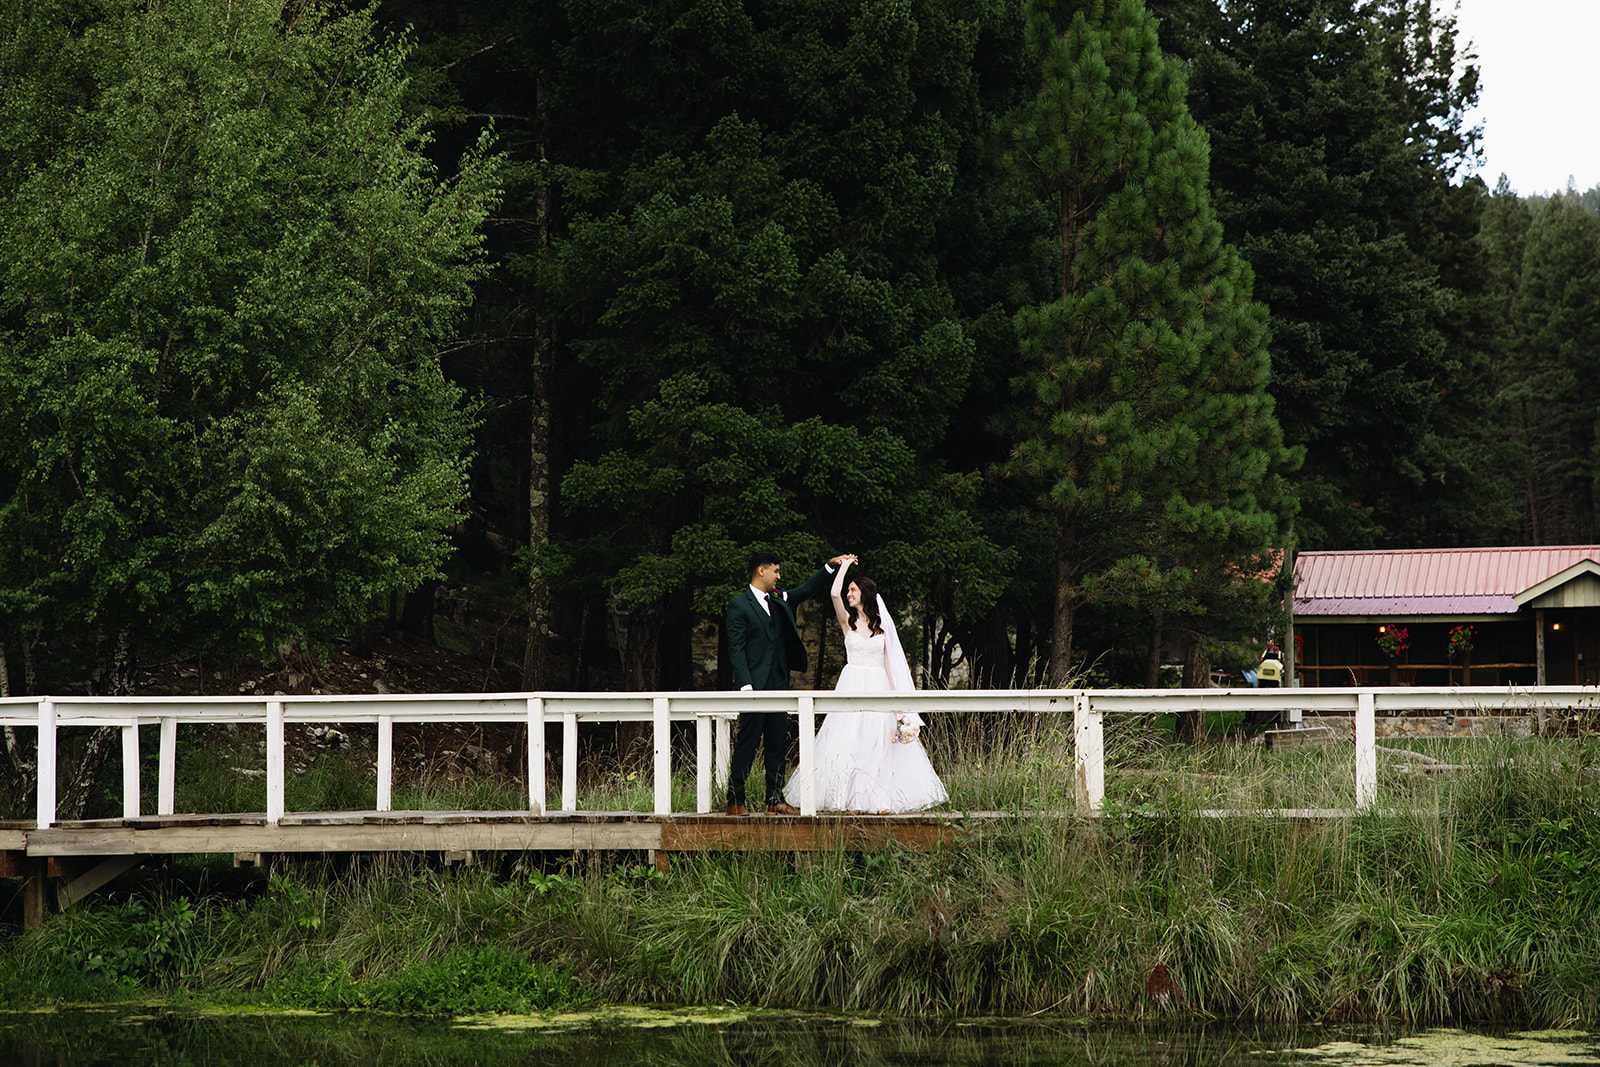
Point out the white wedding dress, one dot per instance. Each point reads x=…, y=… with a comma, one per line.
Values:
x=859, y=765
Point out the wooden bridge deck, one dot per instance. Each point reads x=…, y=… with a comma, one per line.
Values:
x=518, y=831
x=79, y=857
x=462, y=831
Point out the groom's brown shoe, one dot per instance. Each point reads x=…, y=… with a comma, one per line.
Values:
x=781, y=808
x=737, y=809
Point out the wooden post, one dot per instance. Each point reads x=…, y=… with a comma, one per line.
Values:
x=275, y=762
x=385, y=762
x=35, y=891
x=1538, y=645
x=130, y=770
x=808, y=755
x=661, y=707
x=723, y=759
x=702, y=764
x=536, y=760
x=45, y=816
x=167, y=770
x=1088, y=755
x=1366, y=750
x=569, y=761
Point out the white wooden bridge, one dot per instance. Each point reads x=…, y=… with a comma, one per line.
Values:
x=115, y=844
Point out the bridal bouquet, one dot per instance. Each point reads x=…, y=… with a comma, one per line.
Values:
x=905, y=729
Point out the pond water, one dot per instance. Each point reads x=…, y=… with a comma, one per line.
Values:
x=619, y=1037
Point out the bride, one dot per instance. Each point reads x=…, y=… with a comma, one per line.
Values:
x=870, y=760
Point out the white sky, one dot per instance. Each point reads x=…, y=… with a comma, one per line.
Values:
x=1537, y=60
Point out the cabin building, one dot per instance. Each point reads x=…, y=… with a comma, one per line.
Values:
x=1447, y=616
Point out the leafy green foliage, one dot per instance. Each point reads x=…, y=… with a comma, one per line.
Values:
x=139, y=944
x=227, y=268
x=470, y=981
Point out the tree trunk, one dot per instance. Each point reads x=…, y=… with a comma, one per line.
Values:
x=641, y=648
x=675, y=656
x=19, y=769
x=536, y=652
x=1152, y=674
x=1026, y=655
x=640, y=641
x=821, y=671
x=992, y=665
x=1191, y=725
x=416, y=615
x=115, y=677
x=30, y=666
x=1065, y=604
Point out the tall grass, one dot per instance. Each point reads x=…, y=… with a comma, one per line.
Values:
x=1468, y=896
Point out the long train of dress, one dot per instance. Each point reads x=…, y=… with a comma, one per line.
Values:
x=859, y=766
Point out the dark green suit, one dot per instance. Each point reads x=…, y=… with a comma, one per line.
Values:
x=762, y=649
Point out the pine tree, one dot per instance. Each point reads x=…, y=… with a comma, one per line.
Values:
x=1555, y=356
x=1339, y=130
x=1146, y=423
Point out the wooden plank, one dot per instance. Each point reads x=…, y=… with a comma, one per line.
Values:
x=35, y=893
x=95, y=878
x=804, y=834
x=484, y=837
x=145, y=822
x=386, y=818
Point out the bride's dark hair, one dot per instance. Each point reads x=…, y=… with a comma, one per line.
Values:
x=869, y=604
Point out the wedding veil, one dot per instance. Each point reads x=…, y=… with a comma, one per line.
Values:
x=899, y=667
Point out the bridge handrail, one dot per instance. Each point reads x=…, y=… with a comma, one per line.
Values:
x=712, y=712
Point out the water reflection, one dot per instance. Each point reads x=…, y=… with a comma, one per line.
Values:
x=668, y=1039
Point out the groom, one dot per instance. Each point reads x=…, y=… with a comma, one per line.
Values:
x=763, y=647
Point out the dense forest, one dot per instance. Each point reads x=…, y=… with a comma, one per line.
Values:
x=1070, y=316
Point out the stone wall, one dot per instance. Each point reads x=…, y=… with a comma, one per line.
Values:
x=1344, y=726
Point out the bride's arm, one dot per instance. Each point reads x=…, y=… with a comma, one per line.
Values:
x=839, y=610
x=886, y=669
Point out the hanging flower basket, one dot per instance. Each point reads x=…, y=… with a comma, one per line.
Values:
x=1393, y=640
x=1460, y=641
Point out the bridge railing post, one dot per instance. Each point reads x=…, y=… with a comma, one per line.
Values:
x=1366, y=727
x=45, y=799
x=130, y=770
x=167, y=770
x=1088, y=754
x=536, y=760
x=385, y=762
x=808, y=756
x=702, y=763
x=275, y=762
x=569, y=761
x=722, y=761
x=661, y=708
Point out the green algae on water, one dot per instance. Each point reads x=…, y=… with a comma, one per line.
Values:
x=1458, y=1048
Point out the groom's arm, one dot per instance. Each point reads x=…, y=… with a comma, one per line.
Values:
x=813, y=585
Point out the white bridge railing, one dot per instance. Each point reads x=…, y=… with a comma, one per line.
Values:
x=713, y=714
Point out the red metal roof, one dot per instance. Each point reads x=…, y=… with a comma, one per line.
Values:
x=1427, y=581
